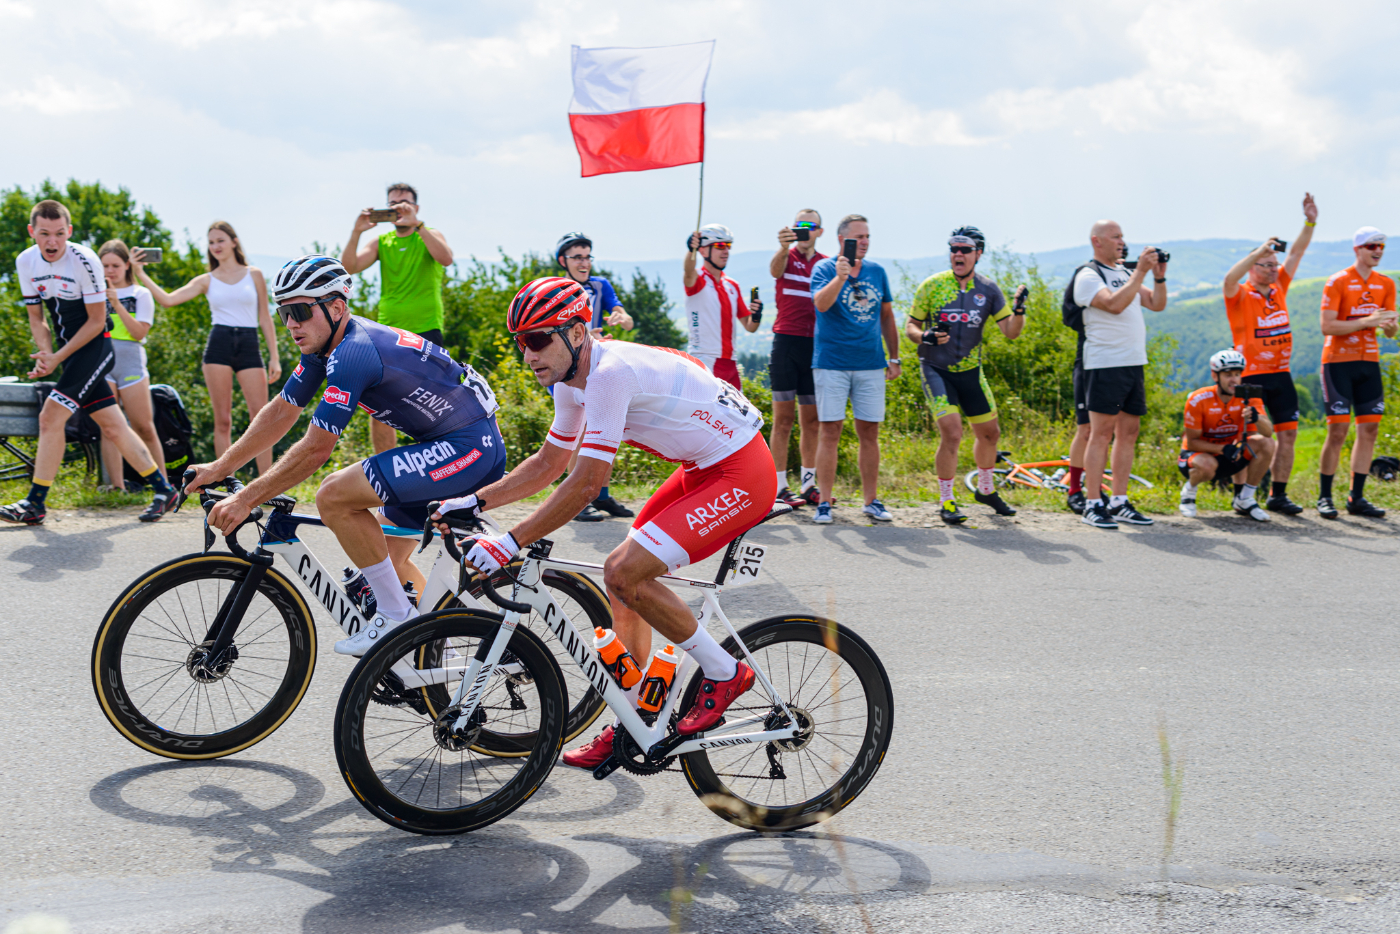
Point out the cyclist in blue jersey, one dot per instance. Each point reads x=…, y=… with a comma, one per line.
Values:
x=400, y=379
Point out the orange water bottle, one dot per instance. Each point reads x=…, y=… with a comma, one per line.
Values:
x=658, y=683
x=616, y=659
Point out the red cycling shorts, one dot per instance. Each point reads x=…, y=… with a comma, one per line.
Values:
x=697, y=512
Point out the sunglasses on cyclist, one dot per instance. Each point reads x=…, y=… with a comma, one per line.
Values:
x=962, y=250
x=538, y=340
x=300, y=311
x=581, y=258
x=721, y=246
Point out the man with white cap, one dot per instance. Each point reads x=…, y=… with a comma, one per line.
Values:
x=713, y=301
x=1355, y=302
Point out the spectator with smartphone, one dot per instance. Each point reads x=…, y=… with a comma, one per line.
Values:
x=713, y=301
x=237, y=296
x=64, y=279
x=855, y=311
x=1115, y=359
x=574, y=252
x=132, y=310
x=1256, y=302
x=1355, y=302
x=790, y=362
x=413, y=260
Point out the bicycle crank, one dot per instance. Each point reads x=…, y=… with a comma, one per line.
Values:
x=630, y=756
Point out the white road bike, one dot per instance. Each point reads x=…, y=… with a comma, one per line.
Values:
x=209, y=653
x=795, y=750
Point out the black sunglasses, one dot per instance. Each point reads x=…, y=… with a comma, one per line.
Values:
x=300, y=311
x=962, y=250
x=538, y=340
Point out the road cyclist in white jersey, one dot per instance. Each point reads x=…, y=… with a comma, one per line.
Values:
x=66, y=280
x=237, y=296
x=661, y=401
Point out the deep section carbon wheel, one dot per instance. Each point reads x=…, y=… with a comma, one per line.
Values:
x=153, y=677
x=836, y=689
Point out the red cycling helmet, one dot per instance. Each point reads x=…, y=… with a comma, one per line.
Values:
x=547, y=303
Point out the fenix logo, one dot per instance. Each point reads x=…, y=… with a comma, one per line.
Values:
x=418, y=462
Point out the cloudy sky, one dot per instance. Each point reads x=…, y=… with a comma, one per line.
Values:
x=1181, y=119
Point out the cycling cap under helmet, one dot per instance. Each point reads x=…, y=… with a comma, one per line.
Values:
x=1226, y=360
x=968, y=236
x=573, y=238
x=551, y=302
x=715, y=233
x=319, y=277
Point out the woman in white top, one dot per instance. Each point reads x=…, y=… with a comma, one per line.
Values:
x=237, y=295
x=133, y=311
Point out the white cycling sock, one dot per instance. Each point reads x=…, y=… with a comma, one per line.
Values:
x=782, y=479
x=1117, y=501
x=945, y=490
x=715, y=662
x=388, y=592
x=1189, y=489
x=1247, y=493
x=809, y=479
x=984, y=481
x=1092, y=503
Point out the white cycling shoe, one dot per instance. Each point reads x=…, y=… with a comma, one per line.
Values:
x=1250, y=509
x=367, y=638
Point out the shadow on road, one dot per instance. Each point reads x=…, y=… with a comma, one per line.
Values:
x=53, y=553
x=259, y=818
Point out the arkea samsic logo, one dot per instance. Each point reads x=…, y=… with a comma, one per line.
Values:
x=709, y=516
x=337, y=396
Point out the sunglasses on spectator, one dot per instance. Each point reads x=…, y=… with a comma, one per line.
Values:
x=804, y=225
x=962, y=250
x=581, y=258
x=722, y=246
x=300, y=311
x=1267, y=265
x=538, y=340
x=1373, y=246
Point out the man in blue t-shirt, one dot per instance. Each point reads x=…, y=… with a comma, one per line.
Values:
x=855, y=311
x=399, y=378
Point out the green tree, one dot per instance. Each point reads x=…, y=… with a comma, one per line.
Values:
x=99, y=214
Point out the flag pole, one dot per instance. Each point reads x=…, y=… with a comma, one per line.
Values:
x=700, y=211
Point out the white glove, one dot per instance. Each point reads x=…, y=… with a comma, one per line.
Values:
x=469, y=503
x=489, y=555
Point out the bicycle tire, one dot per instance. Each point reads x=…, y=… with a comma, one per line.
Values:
x=205, y=579
x=590, y=599
x=834, y=642
x=1001, y=478
x=358, y=751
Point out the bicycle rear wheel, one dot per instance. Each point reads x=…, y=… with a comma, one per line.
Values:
x=145, y=657
x=582, y=602
x=836, y=687
x=414, y=770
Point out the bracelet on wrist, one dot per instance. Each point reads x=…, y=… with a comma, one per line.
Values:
x=1160, y=281
x=1309, y=223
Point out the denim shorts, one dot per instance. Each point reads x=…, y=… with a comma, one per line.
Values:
x=865, y=389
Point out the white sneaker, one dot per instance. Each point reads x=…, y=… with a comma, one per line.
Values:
x=1187, y=506
x=877, y=511
x=364, y=640
x=1252, y=509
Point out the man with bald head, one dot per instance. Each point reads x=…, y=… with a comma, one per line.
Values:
x=1115, y=358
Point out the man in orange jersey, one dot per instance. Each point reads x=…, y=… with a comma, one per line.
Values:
x=1256, y=301
x=1355, y=302
x=1223, y=433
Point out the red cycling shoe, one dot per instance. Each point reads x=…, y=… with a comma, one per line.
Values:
x=713, y=700
x=592, y=755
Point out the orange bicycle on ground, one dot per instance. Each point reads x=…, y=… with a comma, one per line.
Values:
x=1035, y=476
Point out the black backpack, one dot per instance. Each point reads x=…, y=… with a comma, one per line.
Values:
x=80, y=428
x=1071, y=312
x=174, y=430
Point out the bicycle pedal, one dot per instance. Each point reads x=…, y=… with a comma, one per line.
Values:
x=605, y=768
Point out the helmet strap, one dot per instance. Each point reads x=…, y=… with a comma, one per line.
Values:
x=335, y=326
x=573, y=352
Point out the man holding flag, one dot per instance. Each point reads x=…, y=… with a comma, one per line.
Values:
x=713, y=301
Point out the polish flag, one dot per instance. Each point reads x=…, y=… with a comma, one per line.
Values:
x=638, y=109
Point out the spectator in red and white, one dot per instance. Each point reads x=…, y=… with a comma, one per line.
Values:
x=713, y=301
x=790, y=363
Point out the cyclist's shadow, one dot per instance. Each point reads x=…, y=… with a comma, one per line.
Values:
x=262, y=819
x=52, y=552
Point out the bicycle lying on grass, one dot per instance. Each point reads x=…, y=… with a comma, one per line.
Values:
x=811, y=737
x=1033, y=475
x=207, y=654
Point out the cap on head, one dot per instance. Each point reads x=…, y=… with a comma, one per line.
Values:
x=715, y=233
x=1229, y=359
x=968, y=236
x=1367, y=235
x=312, y=276
x=573, y=238
x=546, y=303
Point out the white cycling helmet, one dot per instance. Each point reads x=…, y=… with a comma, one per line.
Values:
x=1230, y=359
x=715, y=233
x=313, y=276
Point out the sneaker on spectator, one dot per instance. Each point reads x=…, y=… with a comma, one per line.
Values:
x=877, y=511
x=612, y=507
x=1098, y=517
x=812, y=495
x=823, y=515
x=1325, y=509
x=1125, y=512
x=1283, y=505
x=1187, y=505
x=790, y=498
x=1251, y=509
x=950, y=513
x=1364, y=507
x=1075, y=501
x=590, y=513
x=998, y=505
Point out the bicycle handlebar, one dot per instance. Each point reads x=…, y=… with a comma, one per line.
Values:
x=500, y=601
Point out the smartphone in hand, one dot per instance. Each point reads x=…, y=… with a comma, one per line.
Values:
x=384, y=215
x=148, y=254
x=802, y=233
x=848, y=250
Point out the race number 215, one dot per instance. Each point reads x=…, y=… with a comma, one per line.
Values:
x=748, y=563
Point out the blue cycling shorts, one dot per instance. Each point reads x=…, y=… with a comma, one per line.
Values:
x=406, y=479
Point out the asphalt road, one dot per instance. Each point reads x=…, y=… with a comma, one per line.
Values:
x=1036, y=664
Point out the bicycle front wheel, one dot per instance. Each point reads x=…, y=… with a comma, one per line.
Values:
x=836, y=687
x=146, y=655
x=418, y=771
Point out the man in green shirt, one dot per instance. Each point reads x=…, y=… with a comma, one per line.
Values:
x=412, y=265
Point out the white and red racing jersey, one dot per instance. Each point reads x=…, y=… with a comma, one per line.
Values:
x=657, y=399
x=710, y=308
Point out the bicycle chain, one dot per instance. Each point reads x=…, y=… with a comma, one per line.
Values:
x=723, y=774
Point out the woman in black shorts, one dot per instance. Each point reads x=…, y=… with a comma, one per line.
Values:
x=237, y=295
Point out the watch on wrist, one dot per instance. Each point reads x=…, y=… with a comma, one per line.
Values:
x=892, y=361
x=1159, y=281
